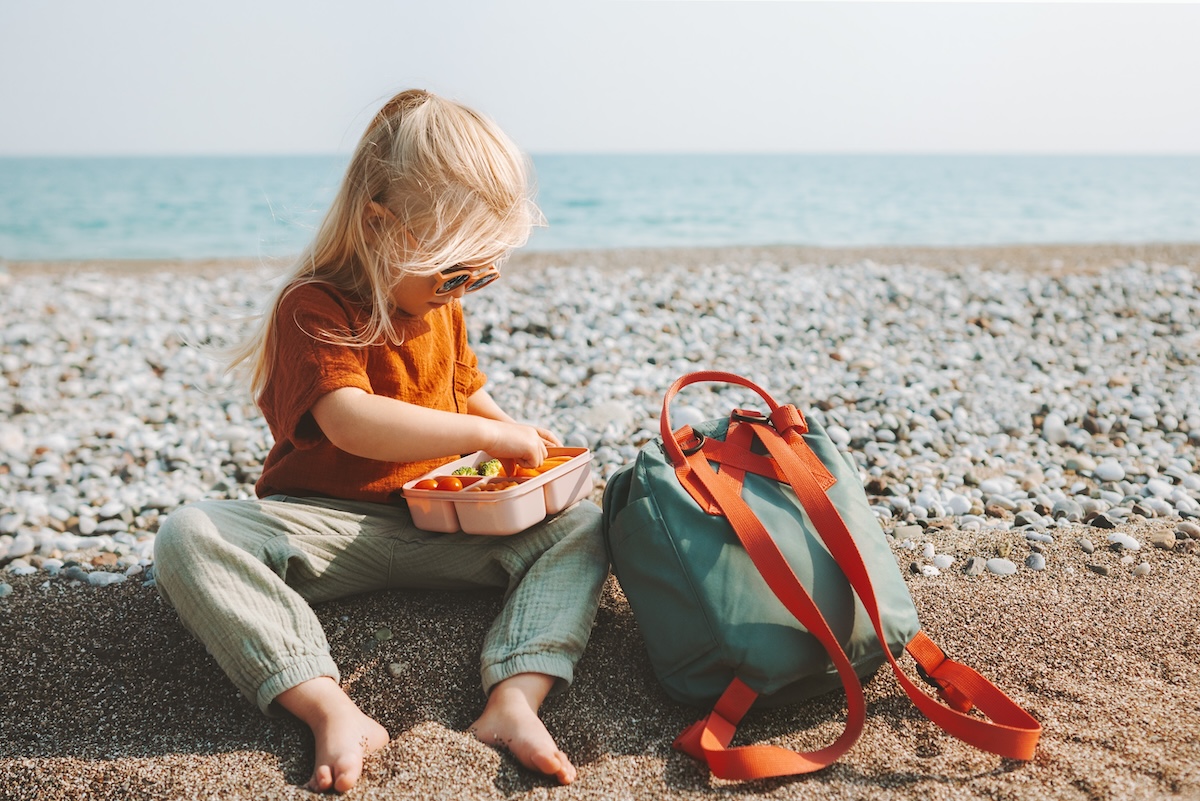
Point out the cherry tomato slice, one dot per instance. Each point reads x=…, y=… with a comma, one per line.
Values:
x=450, y=483
x=426, y=484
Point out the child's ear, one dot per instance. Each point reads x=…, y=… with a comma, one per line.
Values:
x=376, y=214
x=379, y=223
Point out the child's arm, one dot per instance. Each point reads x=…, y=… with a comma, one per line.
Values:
x=378, y=427
x=482, y=404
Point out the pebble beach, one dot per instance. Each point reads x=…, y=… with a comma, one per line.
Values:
x=1026, y=421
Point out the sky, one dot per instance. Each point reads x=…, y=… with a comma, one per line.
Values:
x=80, y=77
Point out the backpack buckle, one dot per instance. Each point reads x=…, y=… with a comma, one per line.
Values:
x=948, y=692
x=748, y=416
x=925, y=677
x=688, y=450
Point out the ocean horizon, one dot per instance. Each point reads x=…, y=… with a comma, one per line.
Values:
x=192, y=207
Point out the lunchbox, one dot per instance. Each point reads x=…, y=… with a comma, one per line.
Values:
x=500, y=512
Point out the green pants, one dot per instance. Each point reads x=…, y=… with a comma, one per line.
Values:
x=241, y=575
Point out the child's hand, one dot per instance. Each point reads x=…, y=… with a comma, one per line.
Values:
x=549, y=438
x=525, y=445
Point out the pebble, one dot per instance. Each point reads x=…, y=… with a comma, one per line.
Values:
x=1109, y=470
x=1001, y=567
x=20, y=567
x=5, y=589
x=1027, y=518
x=1080, y=463
x=22, y=544
x=110, y=421
x=1160, y=507
x=1189, y=529
x=958, y=505
x=1159, y=488
x=974, y=566
x=1124, y=542
x=1142, y=569
x=1035, y=561
x=1067, y=509
x=1163, y=539
x=1086, y=545
x=75, y=573
x=1001, y=502
x=1101, y=569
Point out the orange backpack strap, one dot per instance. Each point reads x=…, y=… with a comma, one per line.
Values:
x=709, y=738
x=1012, y=732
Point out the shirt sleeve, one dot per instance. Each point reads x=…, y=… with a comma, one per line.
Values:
x=310, y=361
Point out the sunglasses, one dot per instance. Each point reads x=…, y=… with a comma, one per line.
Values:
x=472, y=278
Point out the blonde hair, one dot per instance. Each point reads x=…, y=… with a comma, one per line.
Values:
x=460, y=190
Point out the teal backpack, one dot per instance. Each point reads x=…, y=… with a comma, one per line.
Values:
x=758, y=574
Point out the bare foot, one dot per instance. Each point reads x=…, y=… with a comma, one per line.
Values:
x=510, y=720
x=344, y=734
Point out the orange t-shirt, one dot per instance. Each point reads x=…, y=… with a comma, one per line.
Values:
x=434, y=367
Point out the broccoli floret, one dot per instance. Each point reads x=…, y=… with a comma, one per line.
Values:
x=490, y=468
x=465, y=471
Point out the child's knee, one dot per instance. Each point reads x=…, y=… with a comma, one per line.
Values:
x=586, y=521
x=177, y=545
x=180, y=533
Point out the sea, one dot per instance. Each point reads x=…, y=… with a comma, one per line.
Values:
x=266, y=206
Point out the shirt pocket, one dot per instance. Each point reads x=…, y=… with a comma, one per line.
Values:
x=464, y=377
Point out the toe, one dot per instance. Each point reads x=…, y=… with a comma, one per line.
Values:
x=553, y=763
x=567, y=773
x=322, y=779
x=347, y=774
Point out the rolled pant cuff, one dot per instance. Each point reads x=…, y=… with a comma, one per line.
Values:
x=294, y=674
x=560, y=667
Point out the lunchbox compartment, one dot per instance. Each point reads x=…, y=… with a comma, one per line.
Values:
x=574, y=484
x=494, y=487
x=503, y=512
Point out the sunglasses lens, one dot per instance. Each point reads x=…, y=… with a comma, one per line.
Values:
x=454, y=283
x=482, y=282
x=464, y=277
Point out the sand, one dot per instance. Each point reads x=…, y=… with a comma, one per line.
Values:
x=105, y=696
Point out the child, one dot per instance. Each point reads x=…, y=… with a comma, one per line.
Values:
x=362, y=370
